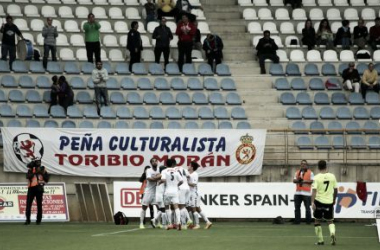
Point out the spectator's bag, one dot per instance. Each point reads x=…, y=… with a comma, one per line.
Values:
x=120, y=219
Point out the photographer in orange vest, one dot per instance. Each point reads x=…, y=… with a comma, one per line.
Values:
x=37, y=178
x=303, y=179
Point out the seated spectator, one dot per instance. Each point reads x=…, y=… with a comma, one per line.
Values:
x=325, y=35
x=351, y=78
x=308, y=35
x=360, y=35
x=213, y=46
x=369, y=80
x=150, y=9
x=266, y=49
x=374, y=34
x=184, y=7
x=197, y=44
x=66, y=94
x=55, y=89
x=343, y=36
x=166, y=8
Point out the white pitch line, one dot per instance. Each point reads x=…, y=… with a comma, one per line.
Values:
x=125, y=231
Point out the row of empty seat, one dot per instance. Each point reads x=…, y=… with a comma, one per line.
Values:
x=343, y=113
x=165, y=98
x=338, y=142
x=126, y=83
x=90, y=2
x=308, y=3
x=122, y=112
x=315, y=14
x=336, y=127
x=322, y=98
x=171, y=69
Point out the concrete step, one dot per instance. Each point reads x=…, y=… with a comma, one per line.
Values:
x=231, y=43
x=224, y=21
x=229, y=35
x=222, y=15
x=218, y=2
x=226, y=28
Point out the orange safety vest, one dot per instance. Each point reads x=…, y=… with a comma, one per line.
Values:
x=306, y=177
x=36, y=180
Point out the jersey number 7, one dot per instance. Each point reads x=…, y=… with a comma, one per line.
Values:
x=327, y=183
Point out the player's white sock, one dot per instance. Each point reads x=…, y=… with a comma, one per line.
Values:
x=142, y=216
x=164, y=219
x=191, y=216
x=187, y=215
x=204, y=216
x=178, y=216
x=196, y=218
x=183, y=216
x=158, y=216
x=169, y=216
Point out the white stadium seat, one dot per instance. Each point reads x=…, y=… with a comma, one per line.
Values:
x=199, y=14
x=82, y=12
x=53, y=1
x=297, y=56
x=325, y=3
x=116, y=2
x=2, y=13
x=193, y=2
x=347, y=56
x=65, y=12
x=116, y=55
x=48, y=11
x=81, y=54
x=342, y=3
x=351, y=14
x=110, y=41
x=99, y=12
x=62, y=40
x=37, y=25
x=255, y=40
x=276, y=3
x=173, y=26
x=147, y=55
x=376, y=56
x=316, y=14
x=287, y=28
x=14, y=10
x=357, y=2
x=250, y=14
x=71, y=26
x=145, y=41
x=255, y=28
x=309, y=3
x=282, y=14
x=335, y=26
x=132, y=2
x=333, y=14
x=203, y=27
x=300, y=26
x=278, y=41
x=260, y=3
x=313, y=56
x=289, y=39
x=132, y=13
x=66, y=54
x=265, y=14
x=100, y=2
x=58, y=24
x=299, y=15
x=352, y=25
x=368, y=14
x=123, y=40
x=330, y=56
x=151, y=26
x=84, y=2
x=369, y=25
x=282, y=55
x=196, y=56
x=67, y=2
x=31, y=11
x=77, y=40
x=40, y=39
x=105, y=27
x=121, y=27
x=103, y=55
x=21, y=24
x=245, y=2
x=29, y=37
x=115, y=13
x=373, y=2
x=141, y=28
x=271, y=26
x=363, y=51
x=174, y=42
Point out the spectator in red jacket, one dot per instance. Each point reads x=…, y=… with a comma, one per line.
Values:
x=374, y=34
x=185, y=32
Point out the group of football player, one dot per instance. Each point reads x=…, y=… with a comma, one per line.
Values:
x=174, y=192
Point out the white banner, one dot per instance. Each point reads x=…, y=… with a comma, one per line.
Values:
x=118, y=153
x=13, y=202
x=255, y=200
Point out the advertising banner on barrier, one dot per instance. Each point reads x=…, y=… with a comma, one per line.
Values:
x=120, y=152
x=13, y=202
x=255, y=200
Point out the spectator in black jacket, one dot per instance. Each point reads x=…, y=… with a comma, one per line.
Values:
x=163, y=36
x=55, y=89
x=343, y=36
x=213, y=46
x=308, y=35
x=134, y=44
x=9, y=31
x=65, y=94
x=351, y=78
x=266, y=49
x=150, y=9
x=360, y=34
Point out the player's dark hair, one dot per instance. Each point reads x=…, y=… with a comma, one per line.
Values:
x=90, y=14
x=152, y=159
x=169, y=163
x=322, y=165
x=133, y=24
x=194, y=165
x=161, y=168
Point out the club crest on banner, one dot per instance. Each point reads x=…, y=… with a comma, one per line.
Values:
x=27, y=147
x=246, y=152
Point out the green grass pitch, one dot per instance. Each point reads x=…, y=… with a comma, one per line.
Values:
x=222, y=236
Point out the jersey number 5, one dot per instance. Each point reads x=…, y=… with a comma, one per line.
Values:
x=327, y=183
x=172, y=176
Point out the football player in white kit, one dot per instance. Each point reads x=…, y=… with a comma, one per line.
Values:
x=195, y=201
x=161, y=214
x=184, y=198
x=152, y=176
x=173, y=181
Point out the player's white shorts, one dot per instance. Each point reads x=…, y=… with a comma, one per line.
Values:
x=149, y=198
x=184, y=196
x=160, y=199
x=171, y=199
x=195, y=200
